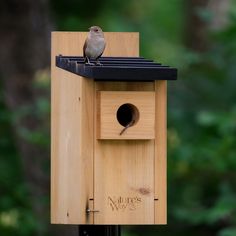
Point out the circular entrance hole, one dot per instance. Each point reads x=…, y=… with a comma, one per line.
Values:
x=127, y=114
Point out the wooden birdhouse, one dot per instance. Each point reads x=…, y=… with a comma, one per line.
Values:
x=108, y=145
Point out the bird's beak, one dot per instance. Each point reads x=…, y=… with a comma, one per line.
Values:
x=89, y=28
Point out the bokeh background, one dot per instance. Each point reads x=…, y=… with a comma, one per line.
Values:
x=196, y=36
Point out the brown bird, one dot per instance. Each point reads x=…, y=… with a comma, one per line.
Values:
x=94, y=45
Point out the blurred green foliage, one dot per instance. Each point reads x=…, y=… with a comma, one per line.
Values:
x=15, y=208
x=201, y=118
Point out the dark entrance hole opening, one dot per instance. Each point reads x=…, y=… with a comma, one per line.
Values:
x=127, y=114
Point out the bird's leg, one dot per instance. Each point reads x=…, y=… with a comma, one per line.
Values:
x=87, y=62
x=98, y=62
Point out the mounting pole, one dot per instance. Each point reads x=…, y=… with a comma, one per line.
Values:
x=103, y=230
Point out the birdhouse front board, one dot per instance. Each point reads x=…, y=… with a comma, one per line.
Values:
x=108, y=141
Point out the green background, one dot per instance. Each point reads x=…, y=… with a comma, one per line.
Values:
x=201, y=115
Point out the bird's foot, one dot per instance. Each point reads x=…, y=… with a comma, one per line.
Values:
x=98, y=63
x=89, y=63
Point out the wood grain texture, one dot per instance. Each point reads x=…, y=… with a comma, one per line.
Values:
x=123, y=170
x=161, y=153
x=72, y=137
x=108, y=126
x=124, y=173
x=117, y=43
x=72, y=128
x=120, y=178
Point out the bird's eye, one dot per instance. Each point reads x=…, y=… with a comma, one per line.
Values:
x=96, y=30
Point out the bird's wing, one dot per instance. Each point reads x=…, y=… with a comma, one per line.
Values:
x=102, y=51
x=84, y=47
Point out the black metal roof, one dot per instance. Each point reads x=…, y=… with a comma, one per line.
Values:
x=118, y=68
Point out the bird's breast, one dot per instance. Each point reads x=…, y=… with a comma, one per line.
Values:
x=95, y=47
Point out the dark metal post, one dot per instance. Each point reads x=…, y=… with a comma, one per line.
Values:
x=103, y=230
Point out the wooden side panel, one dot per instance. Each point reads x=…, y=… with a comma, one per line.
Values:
x=161, y=153
x=71, y=119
